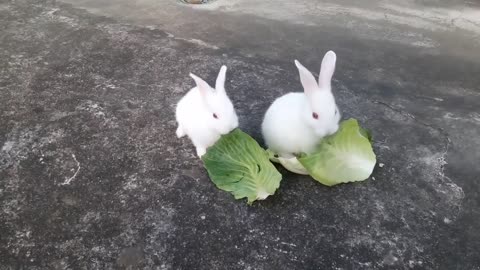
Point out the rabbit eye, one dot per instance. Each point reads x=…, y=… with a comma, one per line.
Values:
x=215, y=116
x=315, y=115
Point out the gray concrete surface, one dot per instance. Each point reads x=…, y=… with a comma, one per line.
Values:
x=92, y=176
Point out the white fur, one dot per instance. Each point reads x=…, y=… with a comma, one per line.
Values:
x=289, y=127
x=195, y=111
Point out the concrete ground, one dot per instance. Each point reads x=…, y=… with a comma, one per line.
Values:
x=92, y=176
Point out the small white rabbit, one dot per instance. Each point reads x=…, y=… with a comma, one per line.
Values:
x=204, y=113
x=296, y=122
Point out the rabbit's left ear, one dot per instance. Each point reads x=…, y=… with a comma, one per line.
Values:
x=202, y=85
x=326, y=70
x=220, y=83
x=306, y=78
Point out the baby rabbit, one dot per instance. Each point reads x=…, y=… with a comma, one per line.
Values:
x=296, y=122
x=204, y=113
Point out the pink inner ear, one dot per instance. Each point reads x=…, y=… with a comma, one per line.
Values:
x=307, y=79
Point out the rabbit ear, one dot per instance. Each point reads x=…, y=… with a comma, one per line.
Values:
x=308, y=81
x=327, y=69
x=220, y=83
x=201, y=84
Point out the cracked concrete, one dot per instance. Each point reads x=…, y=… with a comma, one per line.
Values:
x=88, y=91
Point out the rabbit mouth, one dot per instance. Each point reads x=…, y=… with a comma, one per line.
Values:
x=320, y=133
x=331, y=131
x=224, y=131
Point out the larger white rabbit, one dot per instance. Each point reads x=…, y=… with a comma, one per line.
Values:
x=296, y=122
x=204, y=113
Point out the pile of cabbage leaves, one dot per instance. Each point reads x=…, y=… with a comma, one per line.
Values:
x=239, y=165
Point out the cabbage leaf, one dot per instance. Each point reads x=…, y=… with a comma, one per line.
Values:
x=346, y=156
x=237, y=164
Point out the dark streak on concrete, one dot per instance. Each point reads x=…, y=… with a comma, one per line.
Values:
x=91, y=100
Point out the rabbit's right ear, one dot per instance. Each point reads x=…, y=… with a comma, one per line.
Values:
x=326, y=70
x=220, y=83
x=202, y=85
x=306, y=77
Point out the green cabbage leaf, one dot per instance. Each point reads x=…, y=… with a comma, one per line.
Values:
x=237, y=164
x=346, y=156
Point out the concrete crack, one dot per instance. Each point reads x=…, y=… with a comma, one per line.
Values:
x=68, y=180
x=193, y=41
x=443, y=158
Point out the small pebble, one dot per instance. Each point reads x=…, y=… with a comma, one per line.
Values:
x=381, y=165
x=196, y=1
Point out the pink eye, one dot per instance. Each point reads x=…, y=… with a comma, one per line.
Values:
x=215, y=116
x=315, y=115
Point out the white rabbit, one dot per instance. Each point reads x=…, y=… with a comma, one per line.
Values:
x=296, y=122
x=204, y=113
